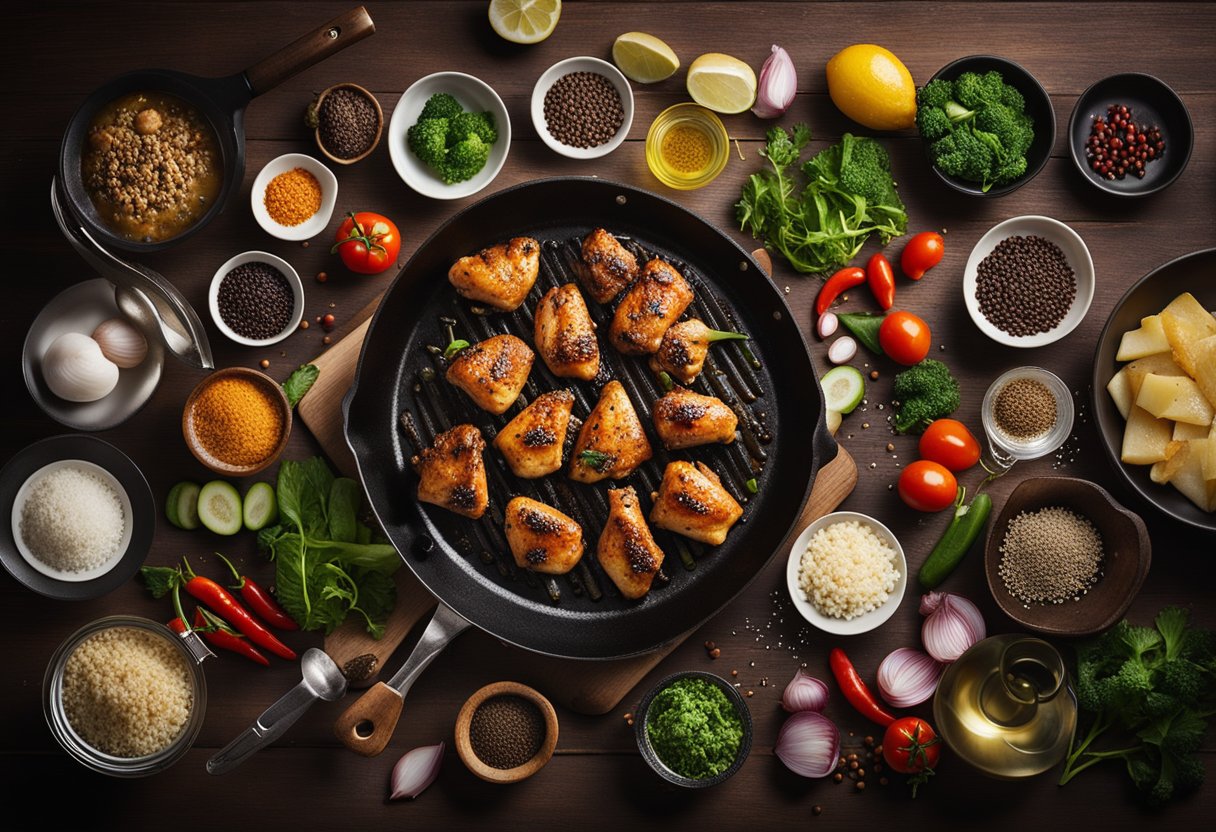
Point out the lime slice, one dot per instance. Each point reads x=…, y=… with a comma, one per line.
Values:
x=843, y=388
x=525, y=21
x=644, y=58
x=722, y=83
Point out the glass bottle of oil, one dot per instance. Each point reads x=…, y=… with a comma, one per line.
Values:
x=1005, y=706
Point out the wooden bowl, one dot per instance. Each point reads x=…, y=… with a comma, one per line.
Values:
x=279, y=399
x=1127, y=554
x=464, y=746
x=338, y=160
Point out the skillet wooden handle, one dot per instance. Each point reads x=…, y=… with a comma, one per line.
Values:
x=316, y=46
x=368, y=724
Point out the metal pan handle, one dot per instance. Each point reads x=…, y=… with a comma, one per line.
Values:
x=316, y=46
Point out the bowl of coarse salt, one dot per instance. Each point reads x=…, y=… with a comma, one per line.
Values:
x=846, y=573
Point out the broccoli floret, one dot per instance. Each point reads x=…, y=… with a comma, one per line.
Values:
x=441, y=105
x=1012, y=129
x=934, y=95
x=464, y=160
x=865, y=170
x=974, y=90
x=932, y=123
x=1012, y=99
x=962, y=154
x=478, y=124
x=428, y=140
x=924, y=392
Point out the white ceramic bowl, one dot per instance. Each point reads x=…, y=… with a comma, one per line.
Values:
x=866, y=621
x=1075, y=251
x=581, y=64
x=312, y=226
x=293, y=279
x=474, y=95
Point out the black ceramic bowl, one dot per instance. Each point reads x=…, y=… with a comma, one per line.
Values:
x=1151, y=101
x=1152, y=293
x=1038, y=107
x=652, y=757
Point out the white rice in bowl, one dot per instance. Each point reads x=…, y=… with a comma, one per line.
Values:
x=847, y=570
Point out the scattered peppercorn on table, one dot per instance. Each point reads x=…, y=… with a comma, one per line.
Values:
x=596, y=779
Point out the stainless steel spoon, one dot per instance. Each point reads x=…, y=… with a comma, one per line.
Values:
x=323, y=679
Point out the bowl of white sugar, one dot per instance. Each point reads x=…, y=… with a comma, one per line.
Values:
x=846, y=573
x=81, y=517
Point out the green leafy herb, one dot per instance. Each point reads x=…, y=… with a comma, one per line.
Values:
x=300, y=382
x=595, y=460
x=322, y=572
x=864, y=326
x=846, y=195
x=694, y=728
x=1154, y=688
x=455, y=347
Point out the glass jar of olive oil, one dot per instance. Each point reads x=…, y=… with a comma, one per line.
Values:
x=687, y=146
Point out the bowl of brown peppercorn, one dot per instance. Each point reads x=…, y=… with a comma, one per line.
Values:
x=348, y=121
x=582, y=107
x=256, y=299
x=506, y=732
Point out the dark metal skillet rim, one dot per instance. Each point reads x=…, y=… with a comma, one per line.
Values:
x=819, y=445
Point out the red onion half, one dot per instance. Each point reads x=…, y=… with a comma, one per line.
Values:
x=415, y=771
x=952, y=625
x=908, y=677
x=804, y=693
x=808, y=744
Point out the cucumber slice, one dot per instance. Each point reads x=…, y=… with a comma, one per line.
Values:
x=181, y=506
x=219, y=507
x=261, y=507
x=843, y=388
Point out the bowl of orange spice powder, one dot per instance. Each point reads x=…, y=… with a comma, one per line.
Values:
x=293, y=197
x=236, y=421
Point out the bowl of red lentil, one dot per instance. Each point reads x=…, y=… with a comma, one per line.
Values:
x=293, y=197
x=236, y=421
x=582, y=107
x=1064, y=558
x=256, y=299
x=506, y=732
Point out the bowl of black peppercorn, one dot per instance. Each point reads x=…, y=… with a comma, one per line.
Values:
x=506, y=732
x=348, y=123
x=256, y=299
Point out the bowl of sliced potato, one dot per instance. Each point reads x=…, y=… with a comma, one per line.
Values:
x=1154, y=388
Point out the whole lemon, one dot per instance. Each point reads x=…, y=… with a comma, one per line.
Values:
x=873, y=87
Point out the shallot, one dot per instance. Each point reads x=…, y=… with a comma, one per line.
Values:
x=777, y=86
x=828, y=324
x=908, y=677
x=804, y=693
x=842, y=350
x=952, y=625
x=808, y=744
x=416, y=770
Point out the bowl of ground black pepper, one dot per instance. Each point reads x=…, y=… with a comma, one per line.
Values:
x=582, y=107
x=236, y=421
x=506, y=732
x=293, y=197
x=1028, y=282
x=1064, y=558
x=256, y=299
x=349, y=122
x=694, y=729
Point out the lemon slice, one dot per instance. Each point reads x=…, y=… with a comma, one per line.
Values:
x=722, y=83
x=644, y=58
x=525, y=21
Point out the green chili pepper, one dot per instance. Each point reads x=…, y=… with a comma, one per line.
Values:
x=964, y=529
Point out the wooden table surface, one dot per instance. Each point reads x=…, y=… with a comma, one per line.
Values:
x=59, y=52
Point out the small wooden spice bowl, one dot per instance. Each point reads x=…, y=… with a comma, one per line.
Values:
x=1126, y=556
x=464, y=745
x=316, y=107
x=203, y=455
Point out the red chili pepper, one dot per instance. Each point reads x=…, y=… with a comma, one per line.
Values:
x=842, y=281
x=259, y=600
x=222, y=601
x=881, y=278
x=224, y=637
x=855, y=689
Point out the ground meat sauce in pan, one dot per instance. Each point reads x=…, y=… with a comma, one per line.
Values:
x=151, y=165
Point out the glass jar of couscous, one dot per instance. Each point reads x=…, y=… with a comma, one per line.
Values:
x=125, y=695
x=687, y=146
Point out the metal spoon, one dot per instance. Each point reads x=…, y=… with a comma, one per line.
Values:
x=323, y=679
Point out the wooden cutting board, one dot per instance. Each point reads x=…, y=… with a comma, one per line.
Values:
x=584, y=687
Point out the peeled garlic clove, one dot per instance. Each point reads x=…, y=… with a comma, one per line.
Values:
x=842, y=350
x=121, y=343
x=76, y=370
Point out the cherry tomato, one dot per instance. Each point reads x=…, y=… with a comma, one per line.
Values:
x=926, y=485
x=949, y=443
x=923, y=252
x=911, y=746
x=881, y=279
x=368, y=243
x=904, y=337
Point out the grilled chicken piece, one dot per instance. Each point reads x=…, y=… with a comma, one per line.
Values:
x=452, y=473
x=651, y=306
x=612, y=441
x=541, y=537
x=691, y=501
x=607, y=267
x=627, y=551
x=565, y=334
x=492, y=371
x=684, y=419
x=500, y=275
x=532, y=441
x=683, y=349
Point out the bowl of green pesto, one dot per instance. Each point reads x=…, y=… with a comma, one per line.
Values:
x=694, y=729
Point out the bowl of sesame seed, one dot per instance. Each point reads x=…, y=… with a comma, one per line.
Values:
x=1064, y=558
